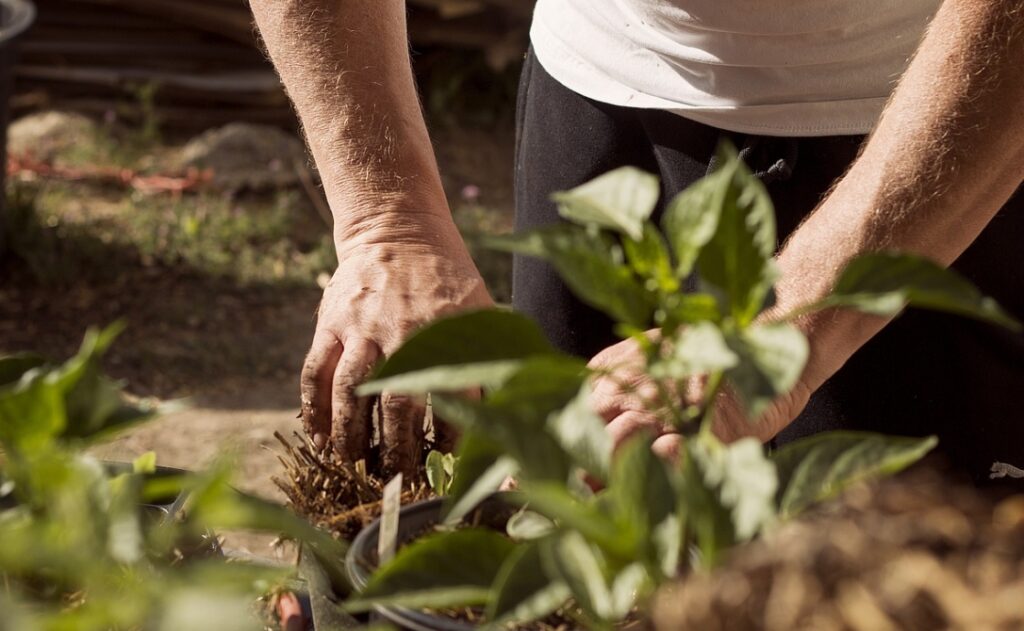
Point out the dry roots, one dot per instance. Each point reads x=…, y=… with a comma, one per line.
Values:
x=338, y=496
x=915, y=552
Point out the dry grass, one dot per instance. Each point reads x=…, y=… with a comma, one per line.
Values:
x=338, y=496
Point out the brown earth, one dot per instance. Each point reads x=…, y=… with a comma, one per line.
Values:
x=923, y=550
x=232, y=349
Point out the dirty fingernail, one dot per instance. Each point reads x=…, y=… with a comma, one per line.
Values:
x=320, y=440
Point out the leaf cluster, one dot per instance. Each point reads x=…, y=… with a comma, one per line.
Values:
x=606, y=550
x=88, y=545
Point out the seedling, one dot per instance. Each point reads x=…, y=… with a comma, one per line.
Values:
x=78, y=551
x=607, y=551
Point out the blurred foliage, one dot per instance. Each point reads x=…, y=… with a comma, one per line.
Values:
x=60, y=236
x=87, y=545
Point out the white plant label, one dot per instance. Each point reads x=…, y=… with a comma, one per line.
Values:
x=387, y=540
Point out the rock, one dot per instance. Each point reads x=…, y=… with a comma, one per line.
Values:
x=246, y=156
x=50, y=136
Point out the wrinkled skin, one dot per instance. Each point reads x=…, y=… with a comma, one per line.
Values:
x=620, y=399
x=383, y=290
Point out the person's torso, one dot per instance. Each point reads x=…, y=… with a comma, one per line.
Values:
x=775, y=67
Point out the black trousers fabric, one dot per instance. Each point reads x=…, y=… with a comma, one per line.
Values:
x=925, y=373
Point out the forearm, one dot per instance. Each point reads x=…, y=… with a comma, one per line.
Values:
x=944, y=158
x=346, y=67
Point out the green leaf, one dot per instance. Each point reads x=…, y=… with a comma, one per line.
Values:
x=528, y=524
x=32, y=413
x=522, y=591
x=737, y=260
x=680, y=309
x=628, y=586
x=487, y=483
x=73, y=400
x=691, y=218
x=95, y=405
x=576, y=562
x=465, y=350
x=620, y=200
x=440, y=570
x=772, y=358
x=482, y=468
x=425, y=598
x=146, y=463
x=540, y=387
x=434, y=470
x=650, y=259
x=581, y=433
x=444, y=378
x=740, y=479
x=323, y=595
x=13, y=367
x=554, y=501
x=437, y=478
x=820, y=466
x=697, y=349
x=883, y=283
x=641, y=495
x=125, y=539
x=535, y=451
x=214, y=504
x=591, y=265
x=667, y=539
x=493, y=374
x=515, y=416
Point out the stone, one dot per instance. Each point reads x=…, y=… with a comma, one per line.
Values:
x=50, y=136
x=247, y=156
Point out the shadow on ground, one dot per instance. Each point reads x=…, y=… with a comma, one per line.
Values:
x=188, y=334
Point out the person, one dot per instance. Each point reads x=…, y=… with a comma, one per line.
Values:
x=875, y=124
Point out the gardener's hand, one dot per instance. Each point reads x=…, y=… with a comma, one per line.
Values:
x=627, y=399
x=388, y=283
x=624, y=397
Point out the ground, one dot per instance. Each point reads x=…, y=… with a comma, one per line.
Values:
x=218, y=288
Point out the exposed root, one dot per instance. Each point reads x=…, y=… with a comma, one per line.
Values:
x=338, y=496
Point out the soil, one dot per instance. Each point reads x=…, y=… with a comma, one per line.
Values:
x=920, y=551
x=234, y=352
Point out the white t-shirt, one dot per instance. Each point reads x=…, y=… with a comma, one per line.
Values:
x=769, y=67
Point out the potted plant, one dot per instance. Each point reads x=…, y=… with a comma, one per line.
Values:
x=596, y=555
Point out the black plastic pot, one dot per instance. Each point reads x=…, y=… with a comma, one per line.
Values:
x=413, y=521
x=15, y=17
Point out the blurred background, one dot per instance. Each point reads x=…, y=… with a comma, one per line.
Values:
x=155, y=174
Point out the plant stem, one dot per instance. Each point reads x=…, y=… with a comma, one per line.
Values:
x=710, y=394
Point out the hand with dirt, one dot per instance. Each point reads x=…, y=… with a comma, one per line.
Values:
x=401, y=262
x=386, y=286
x=623, y=398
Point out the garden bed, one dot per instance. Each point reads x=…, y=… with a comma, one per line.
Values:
x=923, y=550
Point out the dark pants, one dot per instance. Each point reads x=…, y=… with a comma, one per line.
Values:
x=925, y=373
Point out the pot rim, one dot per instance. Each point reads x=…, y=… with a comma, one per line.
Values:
x=356, y=565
